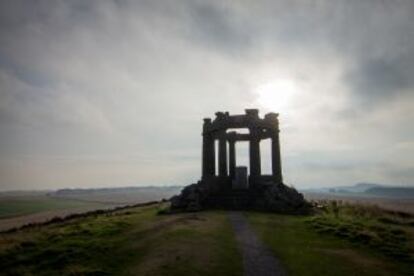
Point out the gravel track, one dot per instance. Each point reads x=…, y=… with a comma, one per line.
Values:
x=257, y=259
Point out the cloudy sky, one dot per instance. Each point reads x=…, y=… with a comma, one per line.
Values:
x=112, y=93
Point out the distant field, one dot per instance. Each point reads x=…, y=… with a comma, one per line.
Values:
x=25, y=205
x=19, y=208
x=16, y=211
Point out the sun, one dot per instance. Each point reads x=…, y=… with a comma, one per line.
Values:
x=277, y=95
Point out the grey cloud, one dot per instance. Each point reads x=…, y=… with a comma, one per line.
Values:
x=93, y=83
x=219, y=27
x=374, y=39
x=403, y=174
x=379, y=52
x=382, y=79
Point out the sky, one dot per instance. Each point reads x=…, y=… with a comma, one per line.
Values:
x=113, y=93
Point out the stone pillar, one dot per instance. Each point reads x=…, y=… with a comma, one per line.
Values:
x=222, y=154
x=212, y=158
x=205, y=157
x=209, y=156
x=254, y=152
x=276, y=159
x=208, y=152
x=232, y=158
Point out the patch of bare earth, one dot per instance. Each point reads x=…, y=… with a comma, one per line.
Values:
x=176, y=242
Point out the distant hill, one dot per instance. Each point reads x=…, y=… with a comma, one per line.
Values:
x=366, y=190
x=356, y=188
x=399, y=192
x=119, y=195
x=78, y=191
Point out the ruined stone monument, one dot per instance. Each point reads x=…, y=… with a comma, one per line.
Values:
x=231, y=187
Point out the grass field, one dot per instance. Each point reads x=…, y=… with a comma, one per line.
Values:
x=132, y=242
x=25, y=205
x=305, y=250
x=137, y=241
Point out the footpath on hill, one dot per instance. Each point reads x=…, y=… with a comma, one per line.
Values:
x=258, y=260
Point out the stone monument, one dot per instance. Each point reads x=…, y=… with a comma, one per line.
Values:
x=229, y=186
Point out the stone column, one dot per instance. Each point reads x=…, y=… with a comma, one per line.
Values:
x=212, y=158
x=208, y=152
x=222, y=154
x=254, y=151
x=205, y=157
x=209, y=156
x=276, y=159
x=232, y=158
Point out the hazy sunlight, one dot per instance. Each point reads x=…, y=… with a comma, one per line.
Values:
x=277, y=95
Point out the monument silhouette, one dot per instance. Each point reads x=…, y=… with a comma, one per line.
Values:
x=231, y=187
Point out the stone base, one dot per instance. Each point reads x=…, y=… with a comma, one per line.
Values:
x=277, y=198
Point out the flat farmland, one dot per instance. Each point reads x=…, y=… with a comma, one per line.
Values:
x=16, y=211
x=20, y=208
x=25, y=205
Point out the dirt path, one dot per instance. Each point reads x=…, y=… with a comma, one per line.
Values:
x=257, y=259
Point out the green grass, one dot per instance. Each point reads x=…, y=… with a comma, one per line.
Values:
x=18, y=206
x=334, y=242
x=384, y=231
x=129, y=242
x=137, y=241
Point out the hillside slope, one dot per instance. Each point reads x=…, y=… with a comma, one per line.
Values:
x=137, y=241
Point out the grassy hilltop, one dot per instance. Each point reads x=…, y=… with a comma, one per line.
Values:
x=340, y=240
